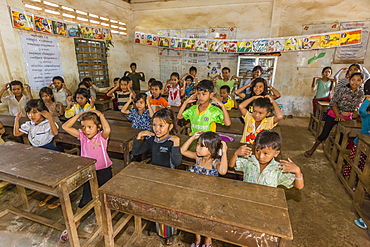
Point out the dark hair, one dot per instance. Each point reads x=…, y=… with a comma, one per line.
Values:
x=117, y=79
x=263, y=103
x=83, y=83
x=140, y=96
x=151, y=80
x=15, y=83
x=84, y=92
x=353, y=65
x=226, y=68
x=48, y=91
x=176, y=75
x=91, y=116
x=35, y=103
x=255, y=68
x=327, y=67
x=157, y=84
x=367, y=87
x=189, y=77
x=133, y=64
x=357, y=73
x=192, y=68
x=125, y=78
x=164, y=114
x=205, y=85
x=59, y=78
x=212, y=141
x=267, y=138
x=225, y=87
x=87, y=79
x=254, y=83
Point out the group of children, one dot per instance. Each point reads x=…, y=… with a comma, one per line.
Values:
x=200, y=105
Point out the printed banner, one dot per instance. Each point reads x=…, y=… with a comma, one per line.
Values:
x=43, y=24
x=195, y=33
x=22, y=19
x=222, y=33
x=42, y=58
x=73, y=30
x=60, y=28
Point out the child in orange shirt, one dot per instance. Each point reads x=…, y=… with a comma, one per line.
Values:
x=157, y=102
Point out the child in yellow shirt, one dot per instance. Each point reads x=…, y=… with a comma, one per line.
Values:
x=227, y=99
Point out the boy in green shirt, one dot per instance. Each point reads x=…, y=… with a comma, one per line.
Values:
x=203, y=117
x=226, y=80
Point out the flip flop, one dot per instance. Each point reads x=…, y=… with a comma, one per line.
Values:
x=360, y=223
x=64, y=236
x=307, y=154
x=42, y=203
x=53, y=205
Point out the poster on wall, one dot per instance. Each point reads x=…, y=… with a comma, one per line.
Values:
x=42, y=57
x=222, y=33
x=213, y=68
x=170, y=32
x=60, y=28
x=320, y=28
x=354, y=53
x=168, y=52
x=329, y=40
x=73, y=30
x=315, y=58
x=43, y=24
x=107, y=34
x=311, y=42
x=245, y=46
x=196, y=58
x=169, y=65
x=195, y=33
x=275, y=45
x=22, y=19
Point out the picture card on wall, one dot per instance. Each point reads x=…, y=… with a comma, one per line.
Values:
x=163, y=42
x=275, y=45
x=60, y=28
x=169, y=52
x=155, y=40
x=215, y=46
x=87, y=32
x=201, y=45
x=149, y=39
x=195, y=33
x=292, y=44
x=73, y=30
x=245, y=46
x=176, y=43
x=229, y=46
x=311, y=42
x=43, y=25
x=107, y=34
x=188, y=44
x=143, y=39
x=22, y=19
x=137, y=37
x=330, y=40
x=260, y=45
x=350, y=38
x=222, y=33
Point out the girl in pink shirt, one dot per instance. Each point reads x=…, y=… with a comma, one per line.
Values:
x=93, y=135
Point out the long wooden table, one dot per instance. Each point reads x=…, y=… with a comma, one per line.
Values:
x=231, y=211
x=53, y=173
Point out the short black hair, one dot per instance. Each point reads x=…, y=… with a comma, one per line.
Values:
x=48, y=91
x=176, y=75
x=192, y=68
x=258, y=67
x=212, y=141
x=367, y=87
x=267, y=138
x=59, y=78
x=84, y=92
x=157, y=84
x=325, y=68
x=89, y=115
x=205, y=85
x=189, y=77
x=140, y=96
x=117, y=79
x=133, y=64
x=263, y=103
x=225, y=87
x=83, y=83
x=165, y=114
x=357, y=73
x=126, y=78
x=15, y=83
x=226, y=68
x=151, y=80
x=87, y=79
x=35, y=103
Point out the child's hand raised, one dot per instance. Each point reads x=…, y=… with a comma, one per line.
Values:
x=145, y=133
x=175, y=140
x=69, y=100
x=191, y=99
x=46, y=114
x=269, y=97
x=243, y=151
x=131, y=96
x=224, y=147
x=197, y=134
x=92, y=100
x=19, y=115
x=27, y=87
x=5, y=87
x=289, y=166
x=217, y=99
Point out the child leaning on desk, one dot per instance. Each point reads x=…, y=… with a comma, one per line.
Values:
x=262, y=168
x=93, y=135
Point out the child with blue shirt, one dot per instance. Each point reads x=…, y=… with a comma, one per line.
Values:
x=261, y=168
x=142, y=114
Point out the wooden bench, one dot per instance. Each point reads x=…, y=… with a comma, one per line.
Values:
x=231, y=211
x=52, y=173
x=103, y=105
x=115, y=115
x=316, y=123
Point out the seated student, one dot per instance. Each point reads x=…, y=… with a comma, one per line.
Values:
x=2, y=131
x=258, y=120
x=55, y=108
x=204, y=116
x=92, y=86
x=226, y=80
x=135, y=77
x=16, y=101
x=227, y=99
x=141, y=114
x=262, y=168
x=189, y=85
x=258, y=86
x=151, y=80
x=157, y=102
x=123, y=95
x=193, y=73
x=84, y=102
x=60, y=90
x=84, y=85
x=174, y=89
x=116, y=82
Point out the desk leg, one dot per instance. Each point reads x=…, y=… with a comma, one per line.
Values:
x=343, y=146
x=68, y=215
x=138, y=226
x=22, y=193
x=94, y=192
x=107, y=222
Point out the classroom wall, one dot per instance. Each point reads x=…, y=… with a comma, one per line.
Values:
x=253, y=19
x=12, y=66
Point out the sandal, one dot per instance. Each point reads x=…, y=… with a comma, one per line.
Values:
x=64, y=236
x=307, y=154
x=168, y=241
x=42, y=203
x=54, y=205
x=360, y=223
x=195, y=245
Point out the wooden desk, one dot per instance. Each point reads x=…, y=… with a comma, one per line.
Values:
x=52, y=173
x=115, y=115
x=316, y=122
x=235, y=128
x=120, y=140
x=235, y=113
x=103, y=105
x=233, y=211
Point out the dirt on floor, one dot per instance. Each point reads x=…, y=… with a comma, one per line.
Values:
x=321, y=213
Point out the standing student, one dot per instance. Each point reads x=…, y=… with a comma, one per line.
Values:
x=165, y=151
x=210, y=159
x=193, y=73
x=123, y=95
x=258, y=87
x=259, y=119
x=175, y=91
x=136, y=77
x=157, y=102
x=189, y=85
x=354, y=68
x=226, y=80
x=324, y=87
x=60, y=90
x=55, y=108
x=116, y=82
x=93, y=136
x=141, y=115
x=204, y=116
x=84, y=102
x=41, y=128
x=343, y=105
x=16, y=101
x=2, y=131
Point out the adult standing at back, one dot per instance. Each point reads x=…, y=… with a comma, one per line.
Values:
x=135, y=77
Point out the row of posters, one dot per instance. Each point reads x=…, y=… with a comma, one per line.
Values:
x=200, y=33
x=32, y=22
x=308, y=42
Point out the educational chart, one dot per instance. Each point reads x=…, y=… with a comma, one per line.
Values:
x=22, y=19
x=196, y=58
x=169, y=65
x=354, y=53
x=42, y=57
